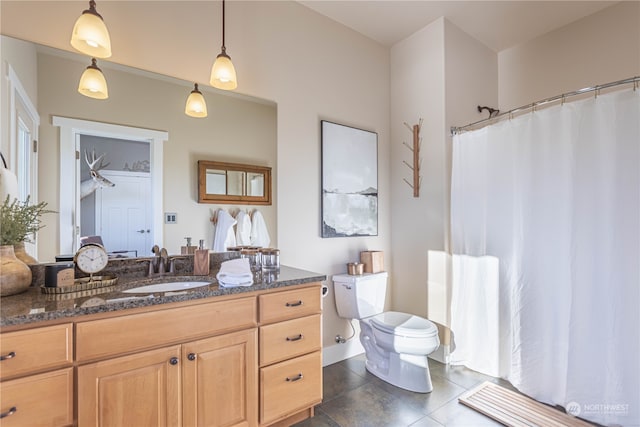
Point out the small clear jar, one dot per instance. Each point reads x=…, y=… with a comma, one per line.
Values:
x=255, y=259
x=270, y=259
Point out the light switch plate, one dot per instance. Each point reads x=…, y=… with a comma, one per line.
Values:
x=170, y=218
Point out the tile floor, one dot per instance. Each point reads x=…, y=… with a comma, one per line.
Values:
x=355, y=398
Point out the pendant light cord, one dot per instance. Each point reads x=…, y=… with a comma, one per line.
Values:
x=223, y=45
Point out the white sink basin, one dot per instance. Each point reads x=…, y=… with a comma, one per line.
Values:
x=166, y=287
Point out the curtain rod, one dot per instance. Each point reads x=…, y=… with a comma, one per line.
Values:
x=455, y=130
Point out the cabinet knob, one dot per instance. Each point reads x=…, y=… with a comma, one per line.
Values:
x=296, y=338
x=191, y=356
x=294, y=304
x=296, y=378
x=10, y=355
x=11, y=411
x=173, y=360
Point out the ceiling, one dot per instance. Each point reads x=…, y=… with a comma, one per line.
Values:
x=497, y=24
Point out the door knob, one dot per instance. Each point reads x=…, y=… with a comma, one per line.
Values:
x=140, y=231
x=191, y=356
x=173, y=360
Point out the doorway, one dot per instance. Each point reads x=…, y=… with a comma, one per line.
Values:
x=70, y=210
x=119, y=214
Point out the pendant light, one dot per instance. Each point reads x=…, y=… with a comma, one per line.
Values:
x=196, y=105
x=90, y=35
x=93, y=83
x=223, y=74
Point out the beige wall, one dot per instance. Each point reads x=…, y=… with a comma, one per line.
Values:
x=417, y=91
x=439, y=74
x=313, y=68
x=599, y=48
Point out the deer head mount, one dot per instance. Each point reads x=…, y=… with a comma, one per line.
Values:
x=97, y=181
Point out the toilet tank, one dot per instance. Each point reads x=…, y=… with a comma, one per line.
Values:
x=360, y=296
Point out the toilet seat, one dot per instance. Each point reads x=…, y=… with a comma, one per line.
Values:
x=404, y=324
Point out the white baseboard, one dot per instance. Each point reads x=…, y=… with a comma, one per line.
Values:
x=338, y=352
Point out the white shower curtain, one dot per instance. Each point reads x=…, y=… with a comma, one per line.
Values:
x=554, y=196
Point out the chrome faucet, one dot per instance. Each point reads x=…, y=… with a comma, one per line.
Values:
x=161, y=264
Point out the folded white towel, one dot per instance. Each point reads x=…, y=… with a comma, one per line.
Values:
x=235, y=272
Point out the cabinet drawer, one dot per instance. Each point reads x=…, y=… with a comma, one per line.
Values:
x=38, y=400
x=288, y=339
x=36, y=350
x=124, y=334
x=289, y=304
x=290, y=386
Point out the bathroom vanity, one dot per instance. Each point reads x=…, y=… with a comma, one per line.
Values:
x=247, y=356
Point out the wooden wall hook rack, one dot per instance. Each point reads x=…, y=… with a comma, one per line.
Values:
x=415, y=167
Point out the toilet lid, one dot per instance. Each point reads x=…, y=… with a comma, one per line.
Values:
x=404, y=324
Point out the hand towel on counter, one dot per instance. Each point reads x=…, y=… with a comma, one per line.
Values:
x=243, y=229
x=259, y=234
x=235, y=272
x=224, y=236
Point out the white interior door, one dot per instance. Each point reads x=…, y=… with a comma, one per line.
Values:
x=123, y=214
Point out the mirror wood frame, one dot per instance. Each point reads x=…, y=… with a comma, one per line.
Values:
x=204, y=197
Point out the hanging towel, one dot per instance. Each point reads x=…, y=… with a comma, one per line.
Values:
x=8, y=183
x=243, y=229
x=235, y=272
x=259, y=234
x=224, y=235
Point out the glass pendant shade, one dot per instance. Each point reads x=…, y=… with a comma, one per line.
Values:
x=92, y=83
x=90, y=35
x=223, y=74
x=196, y=105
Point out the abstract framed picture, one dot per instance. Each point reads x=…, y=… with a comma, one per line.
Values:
x=349, y=181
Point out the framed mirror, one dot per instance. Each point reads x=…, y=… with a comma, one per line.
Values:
x=235, y=183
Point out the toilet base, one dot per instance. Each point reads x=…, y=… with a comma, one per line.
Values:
x=405, y=371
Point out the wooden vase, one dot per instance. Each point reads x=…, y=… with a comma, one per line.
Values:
x=22, y=254
x=15, y=275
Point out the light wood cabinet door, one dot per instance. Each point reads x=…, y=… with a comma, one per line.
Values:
x=220, y=380
x=38, y=400
x=139, y=390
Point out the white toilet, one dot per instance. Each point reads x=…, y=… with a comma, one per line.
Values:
x=396, y=344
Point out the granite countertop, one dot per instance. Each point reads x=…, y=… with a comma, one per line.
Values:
x=36, y=306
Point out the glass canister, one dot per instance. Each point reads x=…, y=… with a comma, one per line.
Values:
x=254, y=258
x=270, y=259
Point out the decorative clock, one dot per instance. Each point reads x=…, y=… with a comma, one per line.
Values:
x=91, y=258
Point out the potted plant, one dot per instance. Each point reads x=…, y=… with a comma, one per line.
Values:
x=18, y=222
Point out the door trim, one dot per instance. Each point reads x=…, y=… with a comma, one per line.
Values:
x=70, y=130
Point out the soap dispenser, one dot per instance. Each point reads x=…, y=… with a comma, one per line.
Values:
x=201, y=261
x=187, y=250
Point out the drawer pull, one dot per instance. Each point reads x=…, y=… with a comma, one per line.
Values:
x=294, y=304
x=11, y=355
x=173, y=360
x=191, y=356
x=11, y=411
x=296, y=378
x=298, y=338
